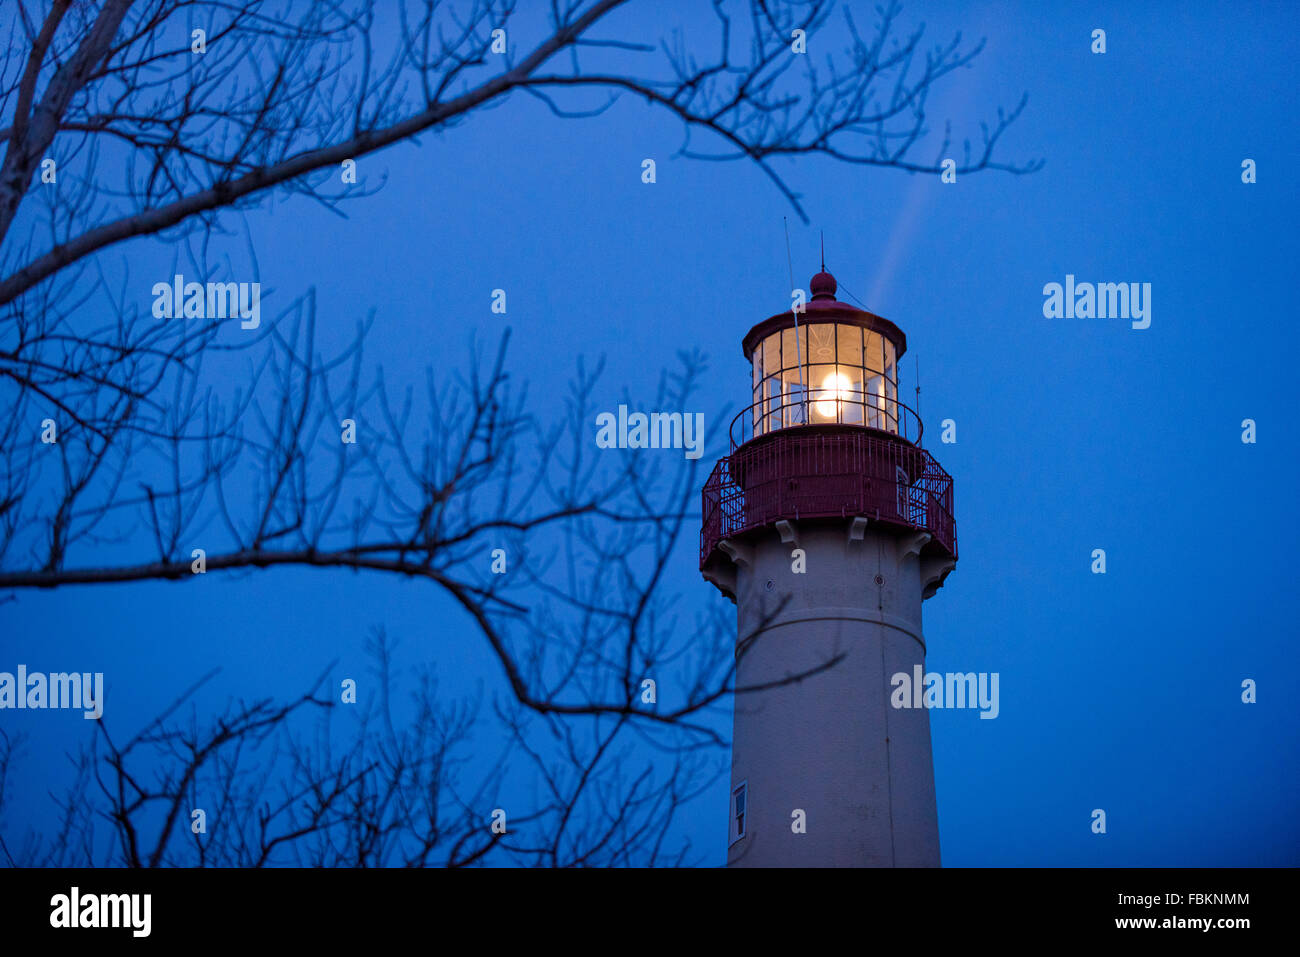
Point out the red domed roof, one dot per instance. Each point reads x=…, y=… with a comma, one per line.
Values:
x=824, y=307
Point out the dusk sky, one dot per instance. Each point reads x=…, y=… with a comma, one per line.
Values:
x=1119, y=691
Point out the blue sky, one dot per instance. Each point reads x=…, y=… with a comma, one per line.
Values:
x=1118, y=691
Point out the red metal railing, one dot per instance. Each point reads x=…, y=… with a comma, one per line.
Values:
x=833, y=474
x=826, y=407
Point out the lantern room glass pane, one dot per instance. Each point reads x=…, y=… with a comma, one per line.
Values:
x=849, y=382
x=821, y=343
x=848, y=346
x=792, y=397
x=791, y=357
x=873, y=355
x=875, y=401
x=772, y=354
x=831, y=393
x=771, y=396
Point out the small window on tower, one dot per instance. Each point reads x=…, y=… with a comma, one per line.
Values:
x=738, y=811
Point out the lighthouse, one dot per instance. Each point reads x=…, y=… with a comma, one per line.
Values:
x=828, y=525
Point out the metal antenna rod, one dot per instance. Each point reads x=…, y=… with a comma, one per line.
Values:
x=797, y=351
x=917, y=359
x=788, y=261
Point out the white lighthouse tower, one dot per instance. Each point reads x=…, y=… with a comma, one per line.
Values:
x=828, y=525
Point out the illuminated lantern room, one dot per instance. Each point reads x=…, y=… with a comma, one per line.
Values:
x=833, y=364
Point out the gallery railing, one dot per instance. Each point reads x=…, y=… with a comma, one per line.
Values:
x=828, y=475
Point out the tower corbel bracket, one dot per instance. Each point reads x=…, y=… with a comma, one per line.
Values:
x=858, y=528
x=738, y=552
x=912, y=544
x=933, y=571
x=789, y=533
